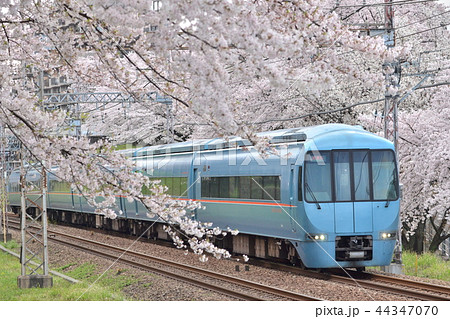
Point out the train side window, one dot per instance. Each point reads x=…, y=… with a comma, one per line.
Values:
x=205, y=186
x=176, y=184
x=60, y=186
x=234, y=187
x=224, y=187
x=183, y=186
x=277, y=189
x=214, y=187
x=256, y=187
x=271, y=187
x=244, y=186
x=168, y=181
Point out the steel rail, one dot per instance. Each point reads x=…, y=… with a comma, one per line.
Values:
x=371, y=281
x=400, y=288
x=199, y=271
x=186, y=279
x=403, y=281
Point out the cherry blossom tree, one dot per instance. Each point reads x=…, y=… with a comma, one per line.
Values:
x=424, y=42
x=424, y=157
x=251, y=71
x=418, y=30
x=218, y=61
x=422, y=127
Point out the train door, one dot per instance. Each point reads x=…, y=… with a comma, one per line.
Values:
x=292, y=197
x=195, y=187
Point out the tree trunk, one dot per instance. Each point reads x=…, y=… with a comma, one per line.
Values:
x=438, y=238
x=415, y=242
x=439, y=235
x=435, y=243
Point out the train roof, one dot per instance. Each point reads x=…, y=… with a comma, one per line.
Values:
x=293, y=135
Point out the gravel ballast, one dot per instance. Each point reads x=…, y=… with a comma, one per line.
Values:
x=154, y=287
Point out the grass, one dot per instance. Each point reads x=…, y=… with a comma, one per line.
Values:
x=427, y=265
x=109, y=287
x=11, y=245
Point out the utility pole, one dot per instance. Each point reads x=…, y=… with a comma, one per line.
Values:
x=33, y=226
x=392, y=72
x=4, y=235
x=33, y=220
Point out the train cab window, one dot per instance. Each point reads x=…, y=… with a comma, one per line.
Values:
x=318, y=177
x=361, y=175
x=342, y=176
x=384, y=175
x=357, y=175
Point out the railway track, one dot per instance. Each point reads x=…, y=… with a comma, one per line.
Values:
x=444, y=290
x=366, y=280
x=234, y=287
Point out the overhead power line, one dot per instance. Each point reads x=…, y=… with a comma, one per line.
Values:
x=383, y=4
x=319, y=113
x=345, y=108
x=425, y=19
x=412, y=23
x=419, y=32
x=330, y=111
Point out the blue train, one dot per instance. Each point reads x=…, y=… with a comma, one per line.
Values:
x=325, y=196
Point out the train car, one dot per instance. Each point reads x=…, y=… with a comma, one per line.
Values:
x=325, y=196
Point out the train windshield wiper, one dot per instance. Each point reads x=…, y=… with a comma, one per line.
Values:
x=312, y=195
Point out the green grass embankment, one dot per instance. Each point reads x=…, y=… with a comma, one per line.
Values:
x=107, y=288
x=427, y=265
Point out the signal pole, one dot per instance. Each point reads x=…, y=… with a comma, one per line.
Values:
x=392, y=71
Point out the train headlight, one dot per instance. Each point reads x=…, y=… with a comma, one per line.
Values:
x=317, y=237
x=388, y=235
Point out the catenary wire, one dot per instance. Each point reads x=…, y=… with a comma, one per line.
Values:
x=384, y=4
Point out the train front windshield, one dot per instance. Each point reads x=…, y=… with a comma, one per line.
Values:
x=357, y=175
